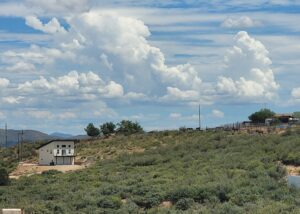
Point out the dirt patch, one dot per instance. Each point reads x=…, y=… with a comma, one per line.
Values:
x=166, y=204
x=27, y=169
x=135, y=150
x=293, y=170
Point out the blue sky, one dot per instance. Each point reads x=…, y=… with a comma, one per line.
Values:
x=64, y=64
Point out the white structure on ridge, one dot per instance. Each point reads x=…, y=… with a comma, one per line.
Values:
x=57, y=152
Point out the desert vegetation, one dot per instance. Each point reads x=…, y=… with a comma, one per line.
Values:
x=193, y=172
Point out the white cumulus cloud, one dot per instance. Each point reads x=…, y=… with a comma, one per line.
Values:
x=240, y=22
x=73, y=84
x=296, y=93
x=217, y=113
x=249, y=70
x=4, y=83
x=53, y=26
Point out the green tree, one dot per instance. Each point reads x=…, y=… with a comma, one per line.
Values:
x=91, y=130
x=108, y=128
x=261, y=116
x=4, y=177
x=128, y=127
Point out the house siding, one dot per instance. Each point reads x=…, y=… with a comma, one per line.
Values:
x=46, y=153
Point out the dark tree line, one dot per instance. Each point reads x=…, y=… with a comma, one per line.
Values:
x=261, y=115
x=125, y=127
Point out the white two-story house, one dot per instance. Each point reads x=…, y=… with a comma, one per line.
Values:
x=57, y=152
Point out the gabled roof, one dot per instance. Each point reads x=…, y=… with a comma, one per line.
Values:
x=64, y=140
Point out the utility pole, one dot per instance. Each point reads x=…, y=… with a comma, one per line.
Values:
x=5, y=134
x=18, y=146
x=199, y=117
x=21, y=149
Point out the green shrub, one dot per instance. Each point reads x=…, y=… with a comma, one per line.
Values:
x=180, y=193
x=184, y=203
x=51, y=172
x=109, y=202
x=128, y=127
x=4, y=177
x=203, y=194
x=147, y=201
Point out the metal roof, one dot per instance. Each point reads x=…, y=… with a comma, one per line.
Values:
x=66, y=140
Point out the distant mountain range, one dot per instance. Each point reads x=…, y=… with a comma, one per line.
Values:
x=61, y=135
x=33, y=136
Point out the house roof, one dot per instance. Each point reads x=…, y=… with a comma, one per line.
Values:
x=283, y=115
x=64, y=140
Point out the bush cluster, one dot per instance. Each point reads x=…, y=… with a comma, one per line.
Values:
x=125, y=127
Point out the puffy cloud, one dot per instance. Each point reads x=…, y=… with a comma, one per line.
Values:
x=240, y=22
x=121, y=42
x=38, y=114
x=21, y=67
x=53, y=26
x=67, y=115
x=177, y=94
x=296, y=93
x=4, y=83
x=12, y=100
x=248, y=65
x=247, y=53
x=73, y=84
x=175, y=115
x=178, y=116
x=57, y=7
x=2, y=115
x=35, y=56
x=217, y=113
x=226, y=85
x=135, y=96
x=113, y=89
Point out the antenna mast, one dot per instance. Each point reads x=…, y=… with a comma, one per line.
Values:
x=5, y=134
x=199, y=117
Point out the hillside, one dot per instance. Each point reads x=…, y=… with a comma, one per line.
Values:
x=28, y=136
x=168, y=172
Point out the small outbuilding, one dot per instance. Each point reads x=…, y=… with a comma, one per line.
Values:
x=57, y=152
x=12, y=211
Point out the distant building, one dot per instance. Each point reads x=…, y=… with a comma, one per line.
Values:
x=282, y=118
x=12, y=211
x=57, y=152
x=246, y=123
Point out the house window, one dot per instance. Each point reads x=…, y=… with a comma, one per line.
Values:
x=69, y=151
x=69, y=146
x=64, y=146
x=57, y=146
x=57, y=151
